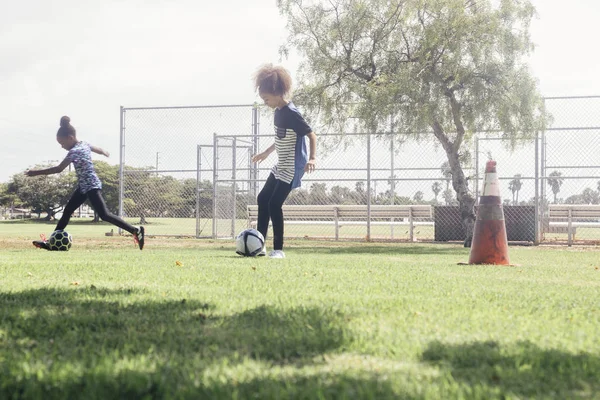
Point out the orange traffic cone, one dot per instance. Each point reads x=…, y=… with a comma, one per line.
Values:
x=490, y=245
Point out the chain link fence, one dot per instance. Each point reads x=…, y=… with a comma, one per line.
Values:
x=188, y=171
x=570, y=171
x=167, y=165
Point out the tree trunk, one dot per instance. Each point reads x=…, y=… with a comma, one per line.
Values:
x=49, y=215
x=466, y=202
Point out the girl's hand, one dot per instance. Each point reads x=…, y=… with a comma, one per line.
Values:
x=260, y=157
x=106, y=153
x=310, y=166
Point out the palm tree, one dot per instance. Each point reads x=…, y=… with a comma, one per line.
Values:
x=437, y=188
x=446, y=173
x=555, y=181
x=515, y=185
x=418, y=197
x=448, y=196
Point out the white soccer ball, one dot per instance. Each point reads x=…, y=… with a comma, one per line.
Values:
x=249, y=243
x=60, y=240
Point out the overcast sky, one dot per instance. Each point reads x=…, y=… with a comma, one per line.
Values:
x=86, y=58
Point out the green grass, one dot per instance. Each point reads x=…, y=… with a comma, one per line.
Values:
x=187, y=227
x=106, y=321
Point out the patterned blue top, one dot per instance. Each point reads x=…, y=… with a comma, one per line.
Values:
x=290, y=142
x=81, y=157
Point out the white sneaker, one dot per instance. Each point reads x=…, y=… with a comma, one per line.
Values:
x=277, y=254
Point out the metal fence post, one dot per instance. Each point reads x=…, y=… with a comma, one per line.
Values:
x=392, y=182
x=215, y=183
x=570, y=226
x=121, y=161
x=255, y=149
x=233, y=185
x=198, y=172
x=543, y=183
x=250, y=182
x=537, y=190
x=369, y=187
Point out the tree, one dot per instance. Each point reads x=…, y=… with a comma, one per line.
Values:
x=138, y=193
x=436, y=187
x=448, y=197
x=44, y=193
x=318, y=194
x=109, y=175
x=360, y=194
x=446, y=173
x=340, y=194
x=418, y=197
x=205, y=198
x=187, y=205
x=450, y=67
x=555, y=181
x=515, y=185
x=298, y=196
x=590, y=196
x=359, y=187
x=8, y=196
x=575, y=199
x=392, y=182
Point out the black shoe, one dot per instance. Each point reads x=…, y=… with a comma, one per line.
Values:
x=40, y=244
x=138, y=237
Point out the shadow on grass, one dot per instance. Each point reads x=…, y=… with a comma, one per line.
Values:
x=522, y=370
x=59, y=329
x=321, y=386
x=131, y=384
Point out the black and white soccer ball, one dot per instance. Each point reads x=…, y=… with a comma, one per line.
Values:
x=60, y=240
x=249, y=243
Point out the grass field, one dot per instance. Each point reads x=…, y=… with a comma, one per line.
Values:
x=189, y=319
x=187, y=227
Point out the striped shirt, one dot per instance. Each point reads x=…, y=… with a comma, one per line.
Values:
x=290, y=143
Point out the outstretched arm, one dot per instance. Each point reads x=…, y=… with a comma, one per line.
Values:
x=312, y=157
x=257, y=158
x=49, y=171
x=98, y=150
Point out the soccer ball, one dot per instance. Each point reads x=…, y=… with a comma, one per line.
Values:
x=60, y=240
x=249, y=243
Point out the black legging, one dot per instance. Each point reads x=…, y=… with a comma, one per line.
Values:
x=270, y=200
x=95, y=197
